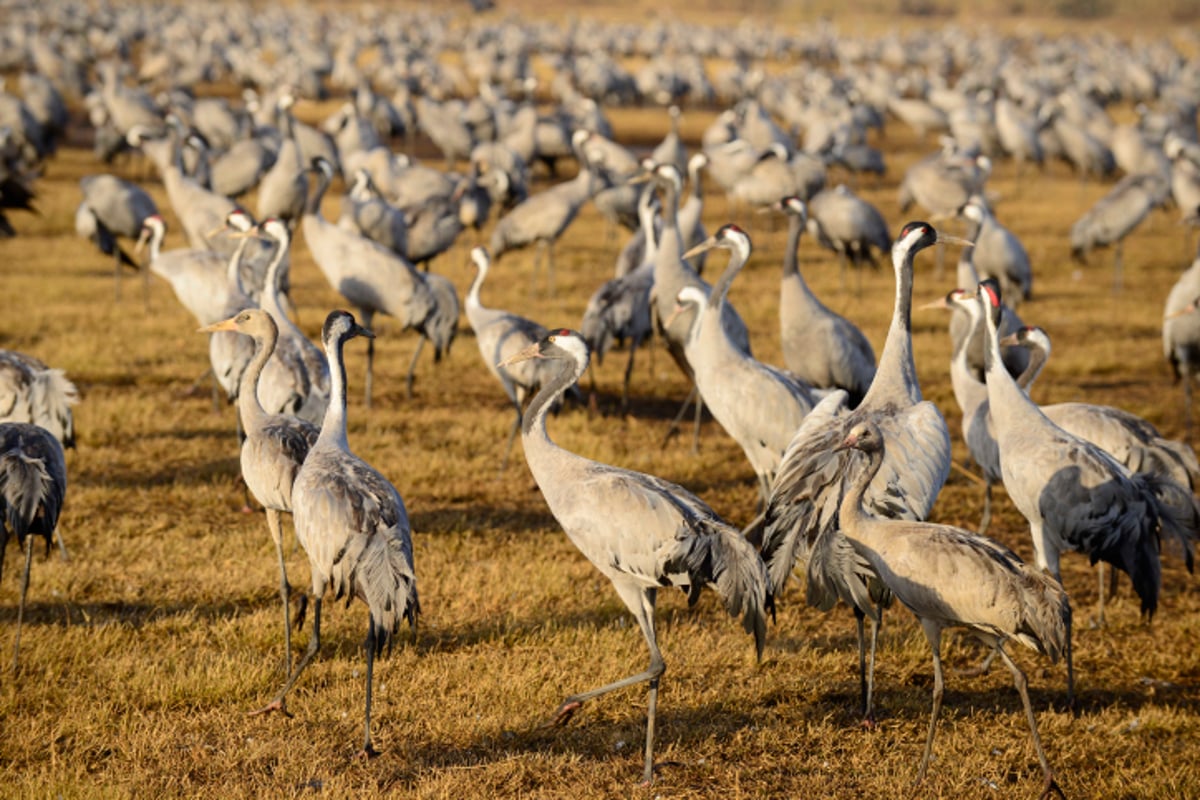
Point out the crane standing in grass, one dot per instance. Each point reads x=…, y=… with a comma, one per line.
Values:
x=33, y=485
x=640, y=531
x=801, y=522
x=952, y=578
x=275, y=445
x=354, y=527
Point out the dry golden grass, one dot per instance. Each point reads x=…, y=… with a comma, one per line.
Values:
x=142, y=655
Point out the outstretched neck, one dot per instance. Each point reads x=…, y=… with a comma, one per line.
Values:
x=333, y=427
x=897, y=374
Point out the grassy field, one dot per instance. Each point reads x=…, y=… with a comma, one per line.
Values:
x=143, y=653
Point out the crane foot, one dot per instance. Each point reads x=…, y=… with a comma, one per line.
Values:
x=1051, y=788
x=367, y=753
x=565, y=712
x=278, y=704
x=868, y=722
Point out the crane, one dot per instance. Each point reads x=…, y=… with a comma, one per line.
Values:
x=499, y=335
x=113, y=208
x=275, y=445
x=1074, y=495
x=33, y=486
x=353, y=525
x=952, y=578
x=800, y=521
x=758, y=405
x=374, y=279
x=820, y=346
x=640, y=531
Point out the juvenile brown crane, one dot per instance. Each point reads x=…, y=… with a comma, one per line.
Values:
x=952, y=578
x=275, y=445
x=640, y=531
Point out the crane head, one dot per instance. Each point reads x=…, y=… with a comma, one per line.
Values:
x=864, y=436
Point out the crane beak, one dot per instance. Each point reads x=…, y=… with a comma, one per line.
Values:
x=533, y=351
x=1188, y=309
x=641, y=177
x=1009, y=341
x=359, y=330
x=217, y=230
x=223, y=325
x=848, y=443
x=958, y=240
x=703, y=247
x=933, y=304
x=143, y=237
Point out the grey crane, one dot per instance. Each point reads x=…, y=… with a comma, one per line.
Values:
x=939, y=573
x=620, y=309
x=33, y=486
x=671, y=150
x=843, y=222
x=274, y=448
x=1114, y=217
x=800, y=521
x=1074, y=495
x=820, y=346
x=1128, y=438
x=239, y=169
x=758, y=405
x=542, y=218
x=941, y=183
x=499, y=335
x=671, y=274
x=434, y=227
x=998, y=253
x=364, y=209
x=113, y=208
x=199, y=210
x=1016, y=359
x=32, y=391
x=640, y=531
x=374, y=280
x=284, y=188
x=293, y=346
x=353, y=525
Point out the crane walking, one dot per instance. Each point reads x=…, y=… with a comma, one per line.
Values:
x=952, y=578
x=640, y=531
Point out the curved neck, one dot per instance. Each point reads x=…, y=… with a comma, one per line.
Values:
x=333, y=427
x=850, y=511
x=233, y=271
x=720, y=289
x=314, y=202
x=897, y=374
x=695, y=183
x=156, y=238
x=270, y=292
x=670, y=206
x=1037, y=361
x=534, y=420
x=476, y=287
x=249, y=406
x=791, y=258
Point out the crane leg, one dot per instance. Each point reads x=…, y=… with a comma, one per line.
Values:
x=1100, y=620
x=633, y=346
x=1050, y=786
x=859, y=618
x=1118, y=268
x=986, y=520
x=696, y=426
x=512, y=435
x=876, y=624
x=537, y=263
x=368, y=749
x=285, y=590
x=866, y=668
x=62, y=545
x=24, y=589
x=314, y=644
x=412, y=368
x=641, y=602
x=934, y=634
x=687, y=402
x=550, y=269
x=117, y=274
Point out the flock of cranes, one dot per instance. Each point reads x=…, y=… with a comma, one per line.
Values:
x=848, y=454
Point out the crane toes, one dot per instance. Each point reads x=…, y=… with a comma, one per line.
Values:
x=565, y=712
x=367, y=753
x=278, y=704
x=1051, y=788
x=868, y=722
